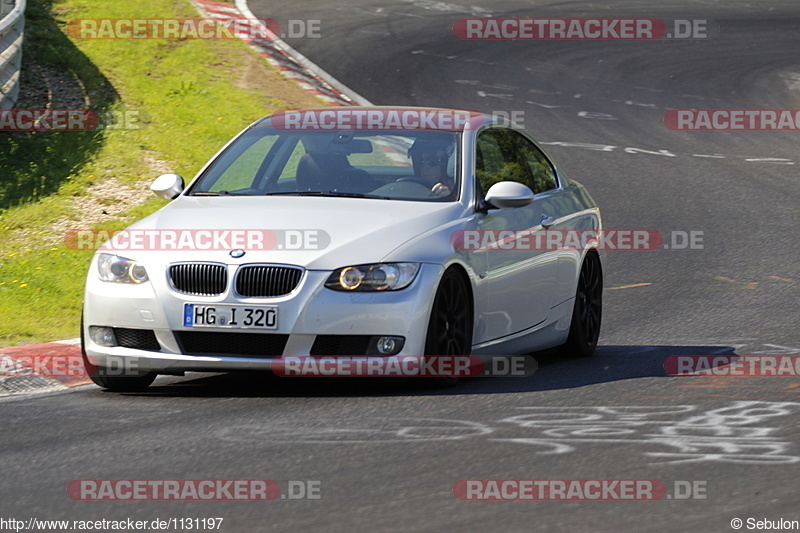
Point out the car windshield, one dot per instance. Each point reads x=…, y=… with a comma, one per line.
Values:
x=415, y=165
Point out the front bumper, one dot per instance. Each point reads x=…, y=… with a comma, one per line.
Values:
x=311, y=310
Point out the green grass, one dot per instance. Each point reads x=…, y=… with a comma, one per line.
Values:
x=187, y=105
x=35, y=164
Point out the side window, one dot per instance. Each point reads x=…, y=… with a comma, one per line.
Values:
x=498, y=159
x=542, y=172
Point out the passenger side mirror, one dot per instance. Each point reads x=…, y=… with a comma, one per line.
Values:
x=167, y=186
x=508, y=194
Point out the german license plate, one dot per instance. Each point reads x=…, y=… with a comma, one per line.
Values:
x=230, y=316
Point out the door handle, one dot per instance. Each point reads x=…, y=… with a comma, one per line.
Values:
x=547, y=221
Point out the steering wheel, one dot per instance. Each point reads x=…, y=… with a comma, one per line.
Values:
x=418, y=181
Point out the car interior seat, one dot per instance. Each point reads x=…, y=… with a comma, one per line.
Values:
x=318, y=171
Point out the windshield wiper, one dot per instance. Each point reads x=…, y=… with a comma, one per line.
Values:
x=354, y=195
x=220, y=193
x=328, y=193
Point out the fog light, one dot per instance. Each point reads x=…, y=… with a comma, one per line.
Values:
x=388, y=345
x=102, y=336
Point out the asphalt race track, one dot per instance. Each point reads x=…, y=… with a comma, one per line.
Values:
x=387, y=456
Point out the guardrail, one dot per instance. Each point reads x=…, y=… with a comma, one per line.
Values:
x=12, y=25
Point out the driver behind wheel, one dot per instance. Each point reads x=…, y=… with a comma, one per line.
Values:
x=430, y=159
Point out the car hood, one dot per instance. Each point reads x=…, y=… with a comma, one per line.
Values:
x=318, y=233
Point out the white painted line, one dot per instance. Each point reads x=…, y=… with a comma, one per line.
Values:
x=72, y=342
x=544, y=105
x=631, y=150
x=596, y=116
x=775, y=160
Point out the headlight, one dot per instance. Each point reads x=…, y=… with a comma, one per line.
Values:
x=120, y=269
x=379, y=277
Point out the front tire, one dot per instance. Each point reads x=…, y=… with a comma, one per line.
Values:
x=450, y=325
x=584, y=329
x=123, y=383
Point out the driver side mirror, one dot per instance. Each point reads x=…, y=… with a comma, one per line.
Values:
x=508, y=194
x=167, y=186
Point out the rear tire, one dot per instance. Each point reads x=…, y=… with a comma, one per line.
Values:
x=584, y=330
x=130, y=382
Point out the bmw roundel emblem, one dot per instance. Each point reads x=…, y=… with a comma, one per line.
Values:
x=237, y=253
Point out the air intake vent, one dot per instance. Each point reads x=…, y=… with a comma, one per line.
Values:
x=202, y=279
x=140, y=339
x=225, y=343
x=263, y=281
x=340, y=345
